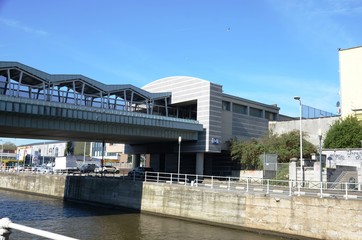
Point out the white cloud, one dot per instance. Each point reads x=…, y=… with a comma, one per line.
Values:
x=17, y=25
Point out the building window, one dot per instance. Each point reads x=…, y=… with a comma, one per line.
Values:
x=225, y=106
x=237, y=108
x=256, y=112
x=270, y=116
x=111, y=154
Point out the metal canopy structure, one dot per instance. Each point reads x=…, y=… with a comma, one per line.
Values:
x=19, y=80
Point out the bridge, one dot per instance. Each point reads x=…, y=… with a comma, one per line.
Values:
x=38, y=105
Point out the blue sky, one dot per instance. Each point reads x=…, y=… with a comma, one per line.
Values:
x=263, y=50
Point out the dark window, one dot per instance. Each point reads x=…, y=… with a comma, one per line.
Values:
x=226, y=106
x=270, y=116
x=237, y=108
x=256, y=112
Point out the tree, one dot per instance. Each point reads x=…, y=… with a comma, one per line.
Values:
x=344, y=133
x=9, y=146
x=286, y=146
x=69, y=149
x=247, y=152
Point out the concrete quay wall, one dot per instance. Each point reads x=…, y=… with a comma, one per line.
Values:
x=296, y=216
x=49, y=185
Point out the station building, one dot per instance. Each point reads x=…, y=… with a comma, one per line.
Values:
x=223, y=116
x=216, y=117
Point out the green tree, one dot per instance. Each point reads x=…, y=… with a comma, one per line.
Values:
x=344, y=133
x=247, y=152
x=9, y=146
x=286, y=146
x=69, y=149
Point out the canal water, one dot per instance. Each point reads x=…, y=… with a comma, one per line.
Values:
x=88, y=222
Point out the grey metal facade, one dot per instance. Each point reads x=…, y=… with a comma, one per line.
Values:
x=220, y=124
x=206, y=97
x=242, y=123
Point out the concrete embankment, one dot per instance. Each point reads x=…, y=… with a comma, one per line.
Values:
x=296, y=216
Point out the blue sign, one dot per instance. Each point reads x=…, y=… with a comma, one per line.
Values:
x=215, y=141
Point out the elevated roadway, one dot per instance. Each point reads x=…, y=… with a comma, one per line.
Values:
x=39, y=105
x=37, y=119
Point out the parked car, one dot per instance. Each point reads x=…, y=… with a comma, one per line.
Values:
x=44, y=170
x=107, y=169
x=139, y=172
x=87, y=168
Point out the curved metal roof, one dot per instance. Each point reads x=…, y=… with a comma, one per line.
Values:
x=34, y=77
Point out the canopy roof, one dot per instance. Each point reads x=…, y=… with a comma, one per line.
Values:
x=79, y=83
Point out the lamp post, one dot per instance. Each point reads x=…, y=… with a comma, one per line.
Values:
x=2, y=152
x=178, y=160
x=85, y=145
x=320, y=153
x=301, y=137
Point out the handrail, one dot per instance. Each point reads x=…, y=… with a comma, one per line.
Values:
x=257, y=185
x=5, y=224
x=347, y=190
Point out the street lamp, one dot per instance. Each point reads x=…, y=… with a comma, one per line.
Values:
x=178, y=162
x=2, y=152
x=301, y=137
x=320, y=153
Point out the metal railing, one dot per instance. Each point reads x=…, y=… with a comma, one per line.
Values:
x=344, y=190
x=270, y=187
x=6, y=226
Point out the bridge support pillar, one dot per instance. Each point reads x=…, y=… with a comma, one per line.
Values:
x=136, y=160
x=157, y=162
x=200, y=163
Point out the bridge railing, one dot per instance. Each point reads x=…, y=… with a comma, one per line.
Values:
x=119, y=110
x=6, y=225
x=273, y=187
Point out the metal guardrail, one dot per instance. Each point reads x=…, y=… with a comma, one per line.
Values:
x=269, y=187
x=6, y=226
x=56, y=103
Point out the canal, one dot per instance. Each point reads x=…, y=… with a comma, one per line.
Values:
x=88, y=222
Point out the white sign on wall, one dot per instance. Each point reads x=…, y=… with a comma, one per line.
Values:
x=215, y=141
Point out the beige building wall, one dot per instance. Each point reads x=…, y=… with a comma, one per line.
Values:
x=350, y=70
x=310, y=127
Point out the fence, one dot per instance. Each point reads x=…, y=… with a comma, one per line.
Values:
x=344, y=190
x=258, y=186
x=311, y=112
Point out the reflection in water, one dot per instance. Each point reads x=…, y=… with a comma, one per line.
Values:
x=84, y=222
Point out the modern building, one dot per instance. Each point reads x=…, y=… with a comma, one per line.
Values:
x=112, y=154
x=195, y=119
x=41, y=153
x=350, y=70
x=224, y=117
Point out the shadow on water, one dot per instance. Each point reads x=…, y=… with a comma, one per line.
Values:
x=90, y=222
x=108, y=192
x=83, y=221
